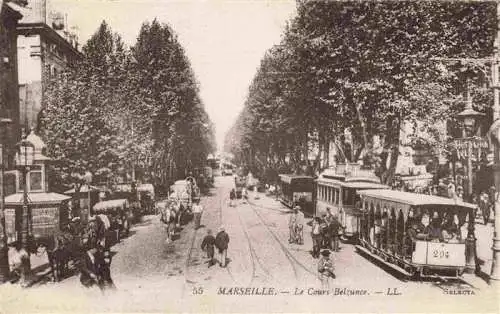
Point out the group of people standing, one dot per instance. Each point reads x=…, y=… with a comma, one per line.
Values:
x=326, y=232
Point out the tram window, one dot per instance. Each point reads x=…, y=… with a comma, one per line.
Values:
x=337, y=197
x=330, y=194
x=348, y=197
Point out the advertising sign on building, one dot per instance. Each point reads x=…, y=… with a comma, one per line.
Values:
x=10, y=225
x=45, y=221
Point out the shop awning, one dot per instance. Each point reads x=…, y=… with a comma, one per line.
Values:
x=36, y=198
x=83, y=189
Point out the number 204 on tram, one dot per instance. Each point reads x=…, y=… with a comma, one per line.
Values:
x=418, y=235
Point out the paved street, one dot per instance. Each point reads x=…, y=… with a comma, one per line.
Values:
x=152, y=275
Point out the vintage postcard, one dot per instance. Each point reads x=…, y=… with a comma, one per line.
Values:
x=253, y=156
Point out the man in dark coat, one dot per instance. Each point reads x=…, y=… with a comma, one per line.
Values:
x=104, y=269
x=89, y=272
x=335, y=229
x=232, y=197
x=208, y=245
x=221, y=242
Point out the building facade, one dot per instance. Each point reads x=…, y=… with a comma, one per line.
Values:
x=9, y=99
x=46, y=47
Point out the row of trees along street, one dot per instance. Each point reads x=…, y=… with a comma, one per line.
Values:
x=368, y=67
x=126, y=108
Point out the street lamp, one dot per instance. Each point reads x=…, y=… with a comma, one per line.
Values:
x=469, y=117
x=4, y=251
x=25, y=159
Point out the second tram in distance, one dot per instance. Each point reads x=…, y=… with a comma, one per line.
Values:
x=297, y=190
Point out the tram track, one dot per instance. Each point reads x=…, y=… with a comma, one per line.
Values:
x=221, y=223
x=253, y=254
x=290, y=257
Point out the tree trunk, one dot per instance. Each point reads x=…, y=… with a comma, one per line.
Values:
x=393, y=140
x=361, y=120
x=327, y=151
x=76, y=201
x=321, y=147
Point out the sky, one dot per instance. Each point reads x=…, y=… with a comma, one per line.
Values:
x=224, y=40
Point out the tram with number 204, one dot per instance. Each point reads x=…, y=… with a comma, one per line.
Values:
x=336, y=189
x=297, y=190
x=418, y=235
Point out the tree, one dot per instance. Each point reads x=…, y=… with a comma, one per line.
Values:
x=182, y=133
x=365, y=66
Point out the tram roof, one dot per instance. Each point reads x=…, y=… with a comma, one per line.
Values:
x=289, y=177
x=414, y=199
x=357, y=184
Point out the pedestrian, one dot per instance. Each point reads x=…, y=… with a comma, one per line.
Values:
x=484, y=203
x=460, y=193
x=197, y=211
x=326, y=269
x=103, y=261
x=232, y=196
x=292, y=223
x=221, y=242
x=89, y=268
x=316, y=236
x=451, y=189
x=335, y=231
x=244, y=193
x=325, y=236
x=208, y=245
x=20, y=264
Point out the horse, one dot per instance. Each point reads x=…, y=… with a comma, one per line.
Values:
x=168, y=216
x=61, y=248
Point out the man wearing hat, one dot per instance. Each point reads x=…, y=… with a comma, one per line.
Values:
x=221, y=242
x=208, y=245
x=295, y=223
x=325, y=269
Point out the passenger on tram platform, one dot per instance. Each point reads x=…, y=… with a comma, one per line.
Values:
x=434, y=229
x=451, y=230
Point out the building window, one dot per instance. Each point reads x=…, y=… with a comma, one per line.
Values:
x=36, y=183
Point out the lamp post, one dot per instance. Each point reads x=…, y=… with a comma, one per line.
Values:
x=4, y=250
x=24, y=161
x=469, y=116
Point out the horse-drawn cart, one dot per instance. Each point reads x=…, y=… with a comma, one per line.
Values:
x=119, y=214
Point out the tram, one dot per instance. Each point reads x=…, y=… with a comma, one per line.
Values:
x=337, y=188
x=297, y=189
x=418, y=235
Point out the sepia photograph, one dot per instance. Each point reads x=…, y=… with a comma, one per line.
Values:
x=249, y=156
